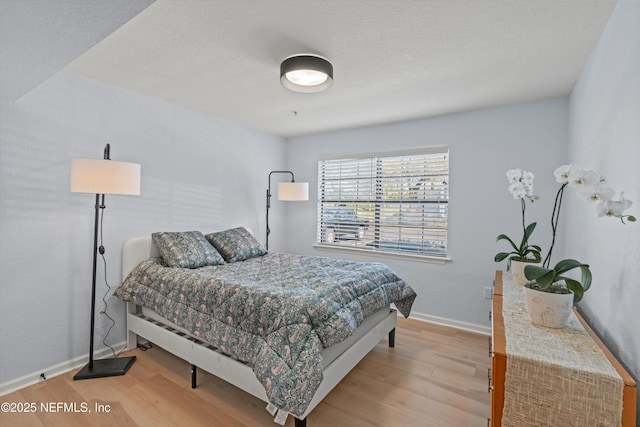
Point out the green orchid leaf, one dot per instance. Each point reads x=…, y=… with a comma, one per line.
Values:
x=576, y=287
x=501, y=256
x=568, y=264
x=528, y=231
x=523, y=252
x=586, y=277
x=544, y=277
x=531, y=272
x=505, y=237
x=546, y=280
x=535, y=253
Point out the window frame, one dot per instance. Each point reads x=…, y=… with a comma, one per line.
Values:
x=381, y=180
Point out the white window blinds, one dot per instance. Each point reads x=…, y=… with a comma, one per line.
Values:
x=386, y=202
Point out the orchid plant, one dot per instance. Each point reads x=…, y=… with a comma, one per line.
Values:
x=592, y=187
x=521, y=188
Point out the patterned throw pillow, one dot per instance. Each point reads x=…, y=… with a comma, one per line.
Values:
x=236, y=244
x=186, y=249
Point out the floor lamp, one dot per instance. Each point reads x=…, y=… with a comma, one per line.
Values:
x=287, y=191
x=102, y=177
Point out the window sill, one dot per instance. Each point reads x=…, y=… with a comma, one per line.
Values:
x=384, y=254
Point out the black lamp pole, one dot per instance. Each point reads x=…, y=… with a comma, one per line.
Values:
x=104, y=367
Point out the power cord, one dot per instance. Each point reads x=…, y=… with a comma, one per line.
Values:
x=101, y=250
x=146, y=346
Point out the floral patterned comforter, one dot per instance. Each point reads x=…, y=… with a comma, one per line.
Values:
x=275, y=312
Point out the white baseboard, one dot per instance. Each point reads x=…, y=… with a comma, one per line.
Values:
x=471, y=327
x=55, y=370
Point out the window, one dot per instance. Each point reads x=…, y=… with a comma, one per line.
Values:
x=391, y=202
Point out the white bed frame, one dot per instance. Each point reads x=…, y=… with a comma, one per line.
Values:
x=210, y=359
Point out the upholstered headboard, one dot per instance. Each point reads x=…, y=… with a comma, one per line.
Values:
x=136, y=250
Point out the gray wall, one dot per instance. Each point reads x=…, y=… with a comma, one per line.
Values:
x=198, y=172
x=605, y=135
x=483, y=144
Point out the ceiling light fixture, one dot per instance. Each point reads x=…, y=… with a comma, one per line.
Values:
x=306, y=73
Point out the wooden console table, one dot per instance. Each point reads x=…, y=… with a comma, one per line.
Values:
x=499, y=358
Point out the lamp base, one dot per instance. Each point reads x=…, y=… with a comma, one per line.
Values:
x=106, y=368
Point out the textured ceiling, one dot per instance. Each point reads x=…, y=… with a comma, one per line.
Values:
x=38, y=38
x=393, y=60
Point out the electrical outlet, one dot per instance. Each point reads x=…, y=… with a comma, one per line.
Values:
x=488, y=292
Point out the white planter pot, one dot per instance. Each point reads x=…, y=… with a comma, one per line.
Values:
x=517, y=271
x=547, y=309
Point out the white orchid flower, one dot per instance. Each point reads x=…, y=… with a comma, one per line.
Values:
x=517, y=190
x=614, y=208
x=521, y=184
x=563, y=172
x=596, y=193
x=514, y=175
x=528, y=188
x=583, y=177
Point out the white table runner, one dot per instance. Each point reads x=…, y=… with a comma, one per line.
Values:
x=555, y=377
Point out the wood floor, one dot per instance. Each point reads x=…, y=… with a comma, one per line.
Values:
x=435, y=376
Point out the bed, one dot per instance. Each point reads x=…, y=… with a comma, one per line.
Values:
x=265, y=322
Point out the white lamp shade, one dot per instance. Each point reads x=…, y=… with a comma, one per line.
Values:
x=104, y=177
x=293, y=191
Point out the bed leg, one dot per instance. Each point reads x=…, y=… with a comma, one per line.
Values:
x=300, y=422
x=392, y=337
x=194, y=372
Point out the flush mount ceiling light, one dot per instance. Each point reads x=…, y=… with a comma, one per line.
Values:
x=306, y=73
